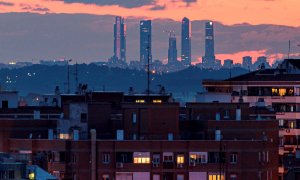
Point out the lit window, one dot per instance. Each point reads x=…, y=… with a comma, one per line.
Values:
x=180, y=159
x=282, y=92
x=141, y=157
x=198, y=158
x=292, y=124
x=157, y=101
x=140, y=101
x=216, y=177
x=64, y=136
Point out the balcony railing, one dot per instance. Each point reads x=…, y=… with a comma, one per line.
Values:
x=30, y=116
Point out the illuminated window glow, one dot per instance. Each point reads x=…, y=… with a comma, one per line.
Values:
x=215, y=177
x=140, y=101
x=141, y=158
x=157, y=101
x=180, y=159
x=64, y=136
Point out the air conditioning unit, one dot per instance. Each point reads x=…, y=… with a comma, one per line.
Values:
x=119, y=165
x=156, y=165
x=179, y=165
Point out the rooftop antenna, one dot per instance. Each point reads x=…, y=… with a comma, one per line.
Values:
x=68, y=90
x=289, y=49
x=148, y=67
x=76, y=76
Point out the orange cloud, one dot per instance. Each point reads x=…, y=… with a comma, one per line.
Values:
x=283, y=12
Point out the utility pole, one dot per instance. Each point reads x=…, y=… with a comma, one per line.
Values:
x=68, y=66
x=148, y=68
x=76, y=77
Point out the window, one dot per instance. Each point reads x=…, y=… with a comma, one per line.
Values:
x=226, y=114
x=133, y=136
x=216, y=177
x=141, y=157
x=233, y=177
x=105, y=177
x=11, y=174
x=180, y=159
x=198, y=157
x=106, y=158
x=156, y=159
x=83, y=117
x=281, y=122
x=133, y=118
x=233, y=158
x=2, y=174
x=157, y=101
x=140, y=101
x=4, y=104
x=292, y=124
x=74, y=158
x=168, y=157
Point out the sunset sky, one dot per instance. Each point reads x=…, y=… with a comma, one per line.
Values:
x=282, y=18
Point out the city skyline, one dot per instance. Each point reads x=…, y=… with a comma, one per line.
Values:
x=39, y=33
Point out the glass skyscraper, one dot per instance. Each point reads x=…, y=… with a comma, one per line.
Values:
x=186, y=41
x=145, y=42
x=172, y=52
x=209, y=58
x=120, y=39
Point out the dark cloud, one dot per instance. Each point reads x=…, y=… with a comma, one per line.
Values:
x=26, y=36
x=3, y=3
x=123, y=3
x=36, y=8
x=158, y=7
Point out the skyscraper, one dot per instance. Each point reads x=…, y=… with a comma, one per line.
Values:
x=186, y=41
x=172, y=52
x=209, y=58
x=247, y=62
x=145, y=42
x=120, y=39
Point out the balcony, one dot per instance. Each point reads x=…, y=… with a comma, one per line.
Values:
x=288, y=115
x=29, y=116
x=289, y=132
x=56, y=166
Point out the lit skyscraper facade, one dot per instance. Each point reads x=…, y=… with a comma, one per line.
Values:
x=172, y=52
x=186, y=41
x=209, y=58
x=120, y=39
x=145, y=42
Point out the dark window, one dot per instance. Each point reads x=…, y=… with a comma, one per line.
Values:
x=83, y=117
x=4, y=104
x=11, y=174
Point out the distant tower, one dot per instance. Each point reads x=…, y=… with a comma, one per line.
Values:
x=145, y=42
x=186, y=41
x=209, y=57
x=247, y=62
x=172, y=52
x=120, y=39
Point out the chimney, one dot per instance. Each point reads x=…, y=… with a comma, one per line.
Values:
x=93, y=154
